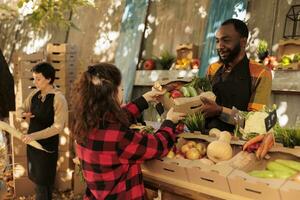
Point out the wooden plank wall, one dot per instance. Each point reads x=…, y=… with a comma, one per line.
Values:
x=174, y=22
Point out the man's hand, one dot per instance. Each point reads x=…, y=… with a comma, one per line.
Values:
x=154, y=95
x=210, y=108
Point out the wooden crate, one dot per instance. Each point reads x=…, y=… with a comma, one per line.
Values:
x=59, y=56
x=60, y=48
x=20, y=166
x=64, y=161
x=63, y=180
x=23, y=187
x=20, y=56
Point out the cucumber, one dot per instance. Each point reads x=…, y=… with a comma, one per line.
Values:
x=282, y=174
x=185, y=91
x=289, y=163
x=275, y=166
x=262, y=174
x=192, y=91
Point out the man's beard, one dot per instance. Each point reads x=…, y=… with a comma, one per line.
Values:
x=232, y=54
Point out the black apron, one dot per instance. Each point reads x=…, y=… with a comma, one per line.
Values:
x=234, y=90
x=42, y=165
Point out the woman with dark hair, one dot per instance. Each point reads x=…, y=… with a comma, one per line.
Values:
x=47, y=112
x=111, y=153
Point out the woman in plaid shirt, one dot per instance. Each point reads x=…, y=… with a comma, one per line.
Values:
x=111, y=153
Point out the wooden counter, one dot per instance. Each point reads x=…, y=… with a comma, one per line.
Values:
x=186, y=189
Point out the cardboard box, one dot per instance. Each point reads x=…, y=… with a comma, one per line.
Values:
x=258, y=188
x=168, y=167
x=214, y=176
x=181, y=104
x=290, y=190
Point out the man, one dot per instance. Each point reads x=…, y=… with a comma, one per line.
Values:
x=7, y=95
x=236, y=81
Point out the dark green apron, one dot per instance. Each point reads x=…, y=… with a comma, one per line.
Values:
x=234, y=90
x=42, y=165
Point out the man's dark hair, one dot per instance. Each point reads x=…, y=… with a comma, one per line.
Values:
x=239, y=26
x=46, y=69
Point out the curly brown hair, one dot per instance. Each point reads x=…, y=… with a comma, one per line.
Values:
x=94, y=98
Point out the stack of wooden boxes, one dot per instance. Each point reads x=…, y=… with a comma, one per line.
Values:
x=63, y=58
x=23, y=64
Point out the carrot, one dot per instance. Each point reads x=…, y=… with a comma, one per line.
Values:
x=267, y=144
x=254, y=140
x=258, y=151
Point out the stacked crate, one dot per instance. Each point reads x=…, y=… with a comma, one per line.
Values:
x=23, y=64
x=63, y=58
x=22, y=184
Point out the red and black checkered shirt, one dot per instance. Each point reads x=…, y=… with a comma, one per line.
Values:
x=112, y=154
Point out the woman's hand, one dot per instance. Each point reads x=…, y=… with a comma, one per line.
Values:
x=27, y=115
x=154, y=95
x=175, y=117
x=26, y=139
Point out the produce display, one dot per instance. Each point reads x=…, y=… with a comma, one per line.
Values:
x=281, y=169
x=220, y=149
x=195, y=122
x=288, y=59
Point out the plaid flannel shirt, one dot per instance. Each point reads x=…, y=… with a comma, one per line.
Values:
x=111, y=156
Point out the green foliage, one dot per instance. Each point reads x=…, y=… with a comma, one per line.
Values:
x=165, y=59
x=195, y=121
x=289, y=137
x=201, y=83
x=262, y=46
x=48, y=13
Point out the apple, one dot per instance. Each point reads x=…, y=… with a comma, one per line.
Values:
x=149, y=64
x=195, y=63
x=175, y=94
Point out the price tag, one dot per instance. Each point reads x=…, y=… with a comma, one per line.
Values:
x=271, y=120
x=159, y=108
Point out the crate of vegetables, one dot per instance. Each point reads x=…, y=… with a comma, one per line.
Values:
x=185, y=95
x=265, y=179
x=212, y=167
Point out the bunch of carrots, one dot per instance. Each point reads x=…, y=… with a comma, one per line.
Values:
x=261, y=143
